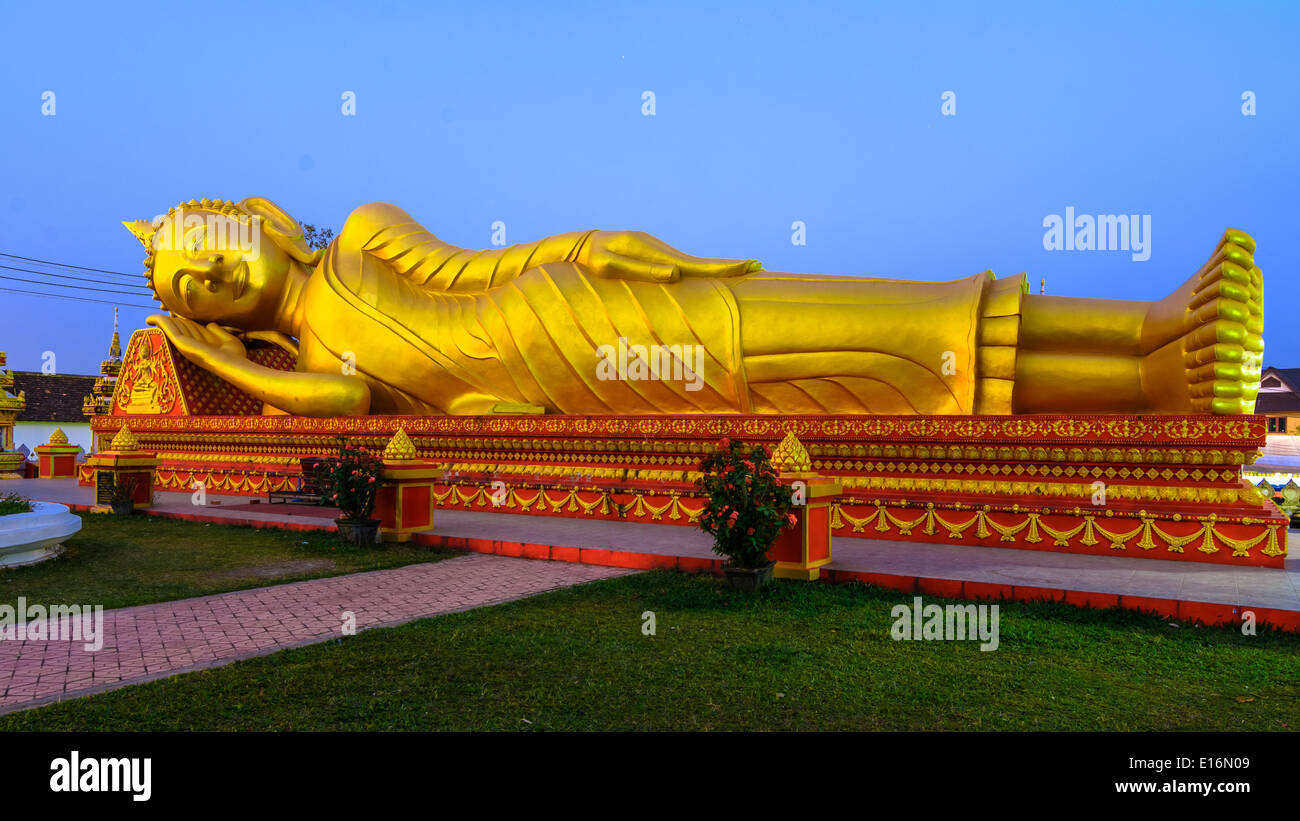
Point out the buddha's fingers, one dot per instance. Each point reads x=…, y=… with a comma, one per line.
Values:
x=1225, y=274
x=1232, y=235
x=696, y=267
x=1228, y=253
x=1222, y=406
x=618, y=267
x=1256, y=290
x=1232, y=371
x=1229, y=309
x=1214, y=353
x=1232, y=333
x=1223, y=388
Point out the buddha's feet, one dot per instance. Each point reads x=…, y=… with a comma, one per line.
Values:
x=1209, y=331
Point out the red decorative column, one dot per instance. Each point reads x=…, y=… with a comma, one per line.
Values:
x=800, y=552
x=124, y=461
x=57, y=459
x=404, y=503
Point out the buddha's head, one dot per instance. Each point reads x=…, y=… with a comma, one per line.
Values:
x=225, y=262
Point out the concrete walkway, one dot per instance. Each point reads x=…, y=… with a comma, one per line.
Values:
x=158, y=640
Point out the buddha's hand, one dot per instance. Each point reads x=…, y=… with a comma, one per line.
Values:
x=199, y=343
x=639, y=256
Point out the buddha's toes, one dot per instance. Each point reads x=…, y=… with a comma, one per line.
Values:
x=1223, y=346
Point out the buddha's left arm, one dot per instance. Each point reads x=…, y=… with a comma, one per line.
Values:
x=388, y=233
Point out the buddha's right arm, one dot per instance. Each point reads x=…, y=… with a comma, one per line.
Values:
x=388, y=233
x=298, y=393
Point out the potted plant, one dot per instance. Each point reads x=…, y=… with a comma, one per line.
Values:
x=122, y=500
x=354, y=482
x=745, y=509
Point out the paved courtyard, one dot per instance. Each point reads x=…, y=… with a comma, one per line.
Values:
x=159, y=640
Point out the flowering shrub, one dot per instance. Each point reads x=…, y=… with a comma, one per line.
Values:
x=13, y=503
x=747, y=506
x=354, y=481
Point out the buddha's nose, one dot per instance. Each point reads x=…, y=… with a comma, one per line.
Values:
x=212, y=269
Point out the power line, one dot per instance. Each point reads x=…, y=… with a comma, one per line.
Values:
x=81, y=299
x=68, y=276
x=73, y=287
x=66, y=265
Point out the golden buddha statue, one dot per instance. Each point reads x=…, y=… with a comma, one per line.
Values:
x=388, y=319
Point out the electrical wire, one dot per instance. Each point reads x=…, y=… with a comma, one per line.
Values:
x=80, y=299
x=68, y=276
x=67, y=265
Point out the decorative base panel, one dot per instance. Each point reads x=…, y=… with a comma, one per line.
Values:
x=1153, y=486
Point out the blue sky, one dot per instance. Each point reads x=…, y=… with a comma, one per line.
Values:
x=765, y=114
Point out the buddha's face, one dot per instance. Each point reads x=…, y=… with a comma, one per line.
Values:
x=214, y=267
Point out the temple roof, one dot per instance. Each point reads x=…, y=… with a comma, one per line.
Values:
x=52, y=398
x=1289, y=376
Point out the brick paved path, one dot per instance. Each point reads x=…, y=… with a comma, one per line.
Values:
x=158, y=640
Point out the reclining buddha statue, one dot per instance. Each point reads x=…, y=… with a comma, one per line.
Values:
x=388, y=319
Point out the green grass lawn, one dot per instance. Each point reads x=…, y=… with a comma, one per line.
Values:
x=118, y=561
x=795, y=657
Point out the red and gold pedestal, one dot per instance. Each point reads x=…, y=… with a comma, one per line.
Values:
x=57, y=459
x=405, y=501
x=124, y=461
x=801, y=551
x=1157, y=487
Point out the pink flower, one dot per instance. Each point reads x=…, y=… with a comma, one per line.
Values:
x=792, y=519
x=371, y=480
x=749, y=532
x=725, y=443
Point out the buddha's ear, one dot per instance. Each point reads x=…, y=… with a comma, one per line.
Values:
x=284, y=230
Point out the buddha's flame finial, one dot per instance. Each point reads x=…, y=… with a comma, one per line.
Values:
x=400, y=448
x=124, y=441
x=790, y=455
x=143, y=231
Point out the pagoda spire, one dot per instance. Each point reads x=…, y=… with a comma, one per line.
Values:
x=101, y=400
